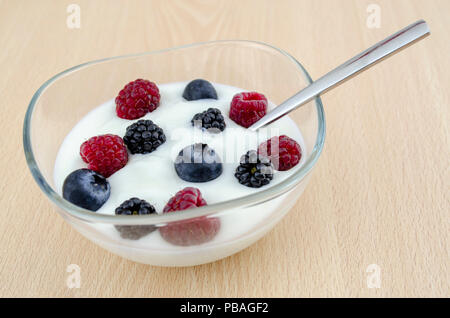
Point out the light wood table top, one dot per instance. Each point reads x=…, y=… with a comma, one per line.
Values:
x=379, y=194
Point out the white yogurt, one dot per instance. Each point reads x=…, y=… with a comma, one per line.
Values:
x=152, y=177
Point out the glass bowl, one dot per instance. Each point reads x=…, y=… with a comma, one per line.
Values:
x=64, y=99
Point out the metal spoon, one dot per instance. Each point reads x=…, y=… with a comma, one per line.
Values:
x=352, y=67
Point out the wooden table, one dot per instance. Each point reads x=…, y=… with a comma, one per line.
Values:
x=380, y=192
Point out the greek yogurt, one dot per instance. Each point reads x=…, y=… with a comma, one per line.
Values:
x=152, y=176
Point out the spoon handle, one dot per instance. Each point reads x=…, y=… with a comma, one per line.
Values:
x=352, y=67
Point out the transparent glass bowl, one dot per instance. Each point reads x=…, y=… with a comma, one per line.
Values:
x=67, y=97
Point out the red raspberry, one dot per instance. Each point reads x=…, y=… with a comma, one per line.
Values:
x=189, y=232
x=136, y=99
x=247, y=108
x=284, y=152
x=104, y=154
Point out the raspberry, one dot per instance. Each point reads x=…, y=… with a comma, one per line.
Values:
x=185, y=199
x=247, y=108
x=136, y=99
x=104, y=154
x=189, y=232
x=284, y=152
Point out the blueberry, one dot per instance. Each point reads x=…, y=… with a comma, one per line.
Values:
x=198, y=163
x=199, y=89
x=86, y=189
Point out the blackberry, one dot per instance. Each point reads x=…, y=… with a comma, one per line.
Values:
x=211, y=119
x=255, y=170
x=135, y=206
x=143, y=137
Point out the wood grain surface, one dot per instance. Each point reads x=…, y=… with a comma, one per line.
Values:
x=379, y=194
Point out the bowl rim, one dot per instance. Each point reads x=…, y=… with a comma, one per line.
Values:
x=245, y=201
